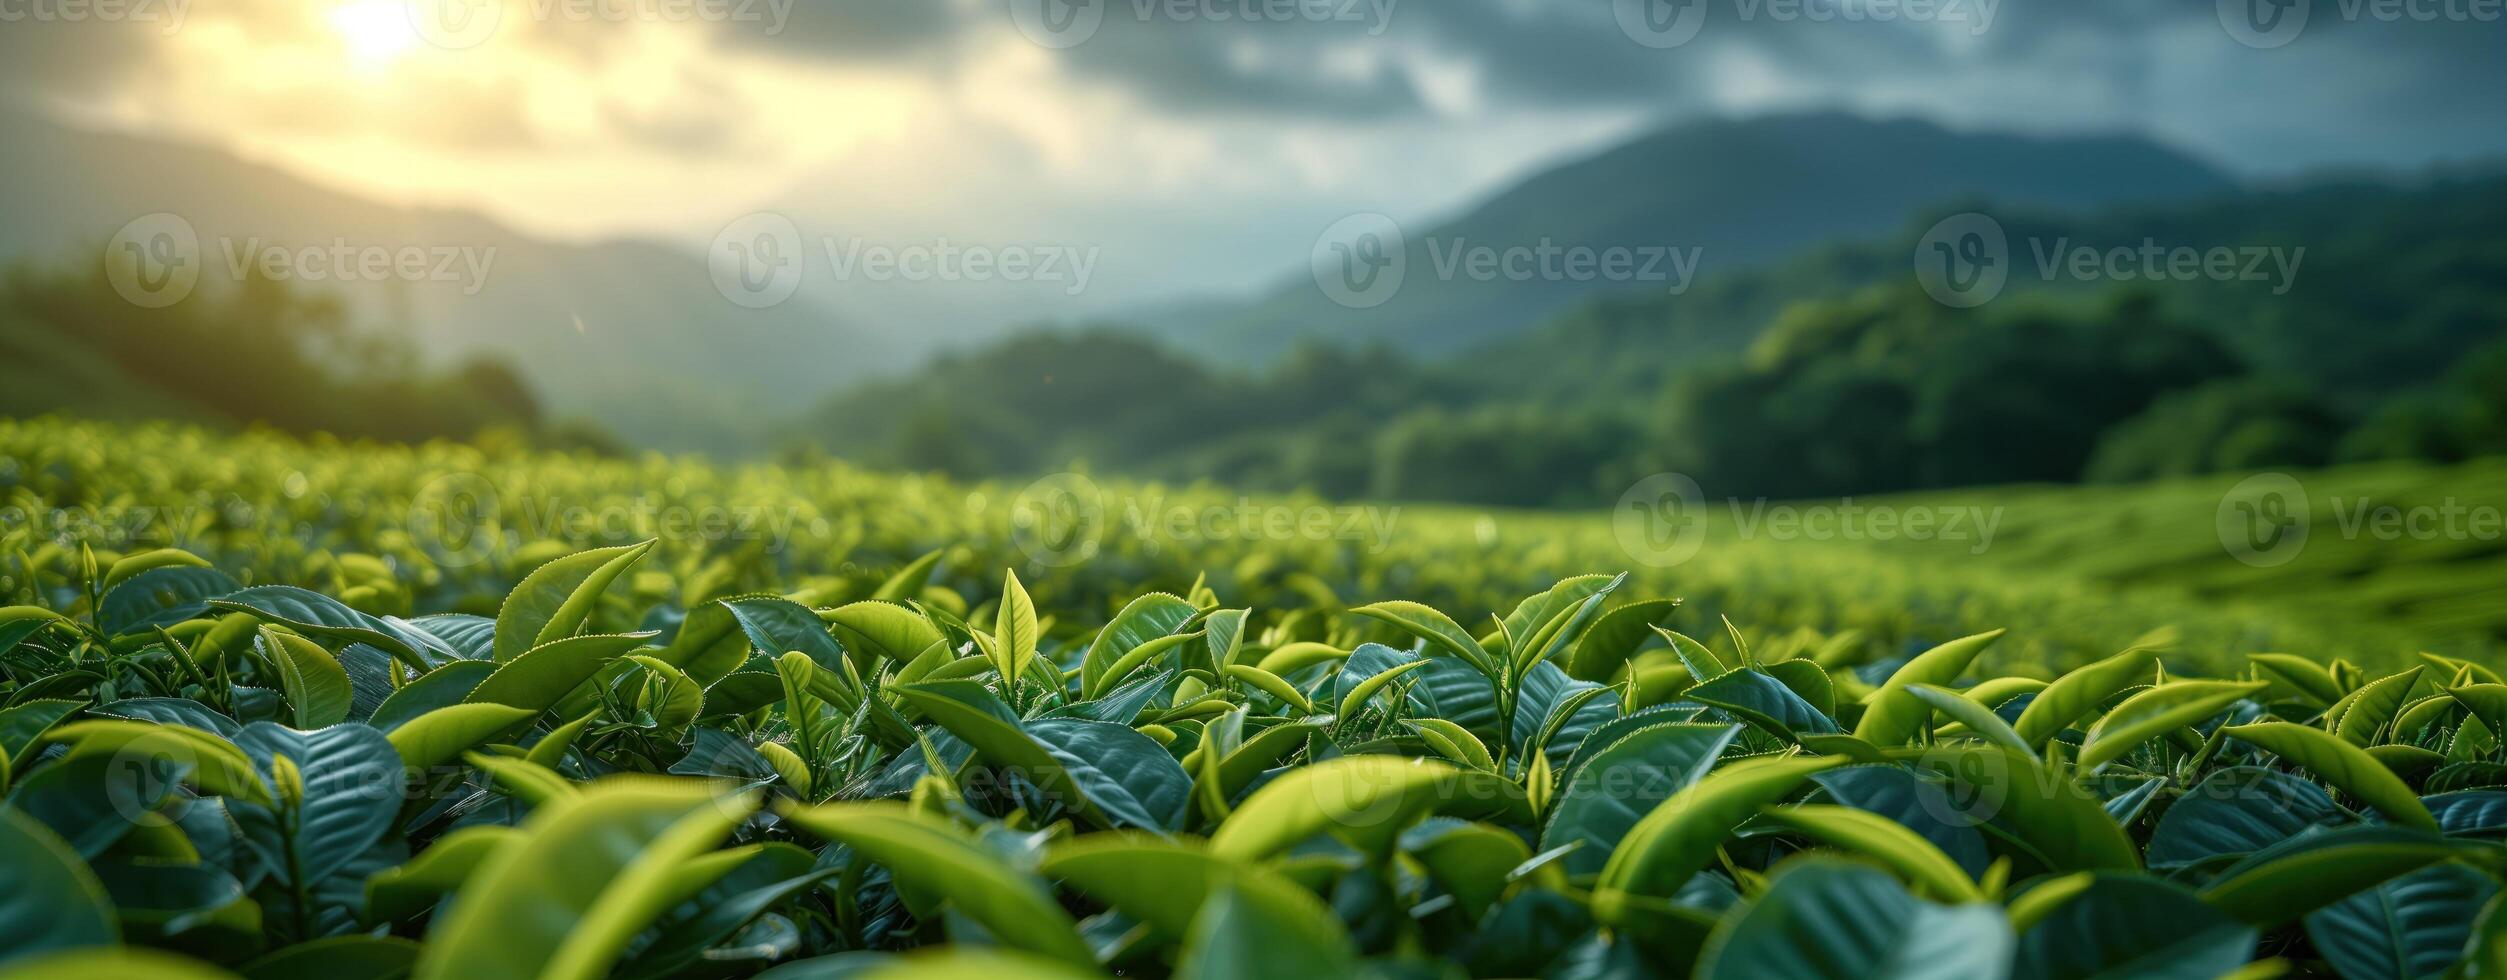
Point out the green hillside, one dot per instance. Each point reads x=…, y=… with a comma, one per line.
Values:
x=1836, y=354
x=1742, y=192
x=2418, y=547
x=2077, y=573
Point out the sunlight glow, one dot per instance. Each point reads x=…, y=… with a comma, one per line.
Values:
x=377, y=32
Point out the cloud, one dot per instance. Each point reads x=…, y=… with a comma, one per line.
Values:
x=700, y=119
x=1223, y=110
x=856, y=31
x=1306, y=69
x=1227, y=56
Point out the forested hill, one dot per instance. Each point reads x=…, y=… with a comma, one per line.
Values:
x=2380, y=339
x=1730, y=193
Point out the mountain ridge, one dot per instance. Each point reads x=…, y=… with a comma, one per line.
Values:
x=1743, y=191
x=627, y=330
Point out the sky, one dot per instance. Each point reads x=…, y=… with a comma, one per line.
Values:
x=1218, y=133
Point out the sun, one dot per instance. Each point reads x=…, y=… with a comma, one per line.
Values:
x=376, y=32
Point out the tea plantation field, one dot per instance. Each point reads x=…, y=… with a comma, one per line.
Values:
x=2076, y=572
x=271, y=708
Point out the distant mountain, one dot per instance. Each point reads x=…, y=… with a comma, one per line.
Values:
x=1739, y=192
x=632, y=334
x=2381, y=336
x=2431, y=238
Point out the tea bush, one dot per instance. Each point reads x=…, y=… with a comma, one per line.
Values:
x=882, y=775
x=448, y=528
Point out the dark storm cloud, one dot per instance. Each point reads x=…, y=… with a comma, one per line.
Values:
x=1198, y=56
x=1299, y=68
x=858, y=30
x=1573, y=53
x=2352, y=87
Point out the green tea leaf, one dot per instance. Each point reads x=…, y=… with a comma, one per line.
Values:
x=1892, y=716
x=1679, y=836
x=2156, y=712
x=561, y=899
x=1834, y=919
x=1365, y=800
x=538, y=678
x=2074, y=695
x=553, y=602
x=316, y=685
x=935, y=857
x=2346, y=766
x=1014, y=631
x=2308, y=872
x=49, y=900
x=1884, y=842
